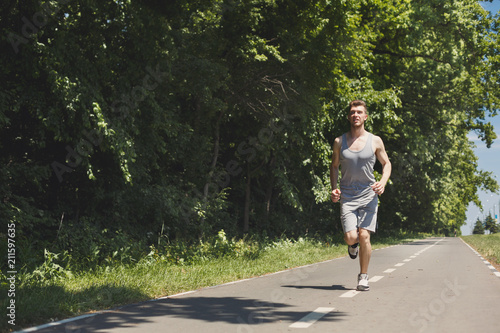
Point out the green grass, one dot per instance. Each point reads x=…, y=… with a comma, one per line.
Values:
x=81, y=292
x=487, y=245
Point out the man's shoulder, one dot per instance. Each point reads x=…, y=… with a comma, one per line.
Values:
x=377, y=138
x=377, y=141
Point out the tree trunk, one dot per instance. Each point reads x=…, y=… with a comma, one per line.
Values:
x=246, y=218
x=215, y=157
x=212, y=169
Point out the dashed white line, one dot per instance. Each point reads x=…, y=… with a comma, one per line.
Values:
x=311, y=318
x=484, y=261
x=375, y=278
x=350, y=293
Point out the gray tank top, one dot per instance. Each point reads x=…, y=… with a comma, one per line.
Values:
x=357, y=170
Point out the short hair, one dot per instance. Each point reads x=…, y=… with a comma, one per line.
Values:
x=358, y=102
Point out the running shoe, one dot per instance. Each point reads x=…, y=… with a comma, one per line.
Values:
x=353, y=250
x=363, y=282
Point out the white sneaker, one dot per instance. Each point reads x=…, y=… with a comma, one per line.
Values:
x=363, y=282
x=353, y=250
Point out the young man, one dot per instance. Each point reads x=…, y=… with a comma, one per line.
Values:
x=355, y=153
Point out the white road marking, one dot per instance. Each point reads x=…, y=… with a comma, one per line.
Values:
x=406, y=260
x=399, y=264
x=484, y=261
x=311, y=318
x=375, y=278
x=390, y=270
x=413, y=257
x=350, y=293
x=49, y=325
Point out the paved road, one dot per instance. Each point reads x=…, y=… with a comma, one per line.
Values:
x=432, y=285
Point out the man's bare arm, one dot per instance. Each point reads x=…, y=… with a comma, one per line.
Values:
x=334, y=169
x=379, y=187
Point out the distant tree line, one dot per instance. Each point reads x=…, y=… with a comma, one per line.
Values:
x=489, y=224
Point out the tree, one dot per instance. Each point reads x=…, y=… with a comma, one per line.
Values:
x=490, y=224
x=478, y=228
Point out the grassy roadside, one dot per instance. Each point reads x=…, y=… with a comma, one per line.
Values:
x=108, y=287
x=487, y=245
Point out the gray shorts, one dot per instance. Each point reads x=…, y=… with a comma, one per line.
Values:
x=359, y=213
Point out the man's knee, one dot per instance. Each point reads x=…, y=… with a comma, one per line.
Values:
x=364, y=236
x=351, y=237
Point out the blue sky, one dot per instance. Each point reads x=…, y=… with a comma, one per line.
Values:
x=489, y=160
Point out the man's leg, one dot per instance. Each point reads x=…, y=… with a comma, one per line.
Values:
x=352, y=240
x=351, y=237
x=365, y=251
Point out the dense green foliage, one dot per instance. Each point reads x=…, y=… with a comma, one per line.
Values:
x=131, y=123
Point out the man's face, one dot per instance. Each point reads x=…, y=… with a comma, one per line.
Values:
x=357, y=116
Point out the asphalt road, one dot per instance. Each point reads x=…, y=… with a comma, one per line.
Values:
x=432, y=285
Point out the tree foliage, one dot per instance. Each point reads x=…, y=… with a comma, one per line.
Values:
x=490, y=224
x=178, y=119
x=478, y=228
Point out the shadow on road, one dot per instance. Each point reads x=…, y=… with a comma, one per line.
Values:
x=333, y=287
x=229, y=310
x=39, y=302
x=424, y=242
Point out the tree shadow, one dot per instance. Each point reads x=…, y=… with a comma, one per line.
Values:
x=329, y=288
x=38, y=303
x=228, y=310
x=423, y=242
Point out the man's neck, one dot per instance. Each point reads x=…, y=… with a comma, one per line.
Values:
x=357, y=132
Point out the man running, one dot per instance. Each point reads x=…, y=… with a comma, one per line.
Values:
x=355, y=153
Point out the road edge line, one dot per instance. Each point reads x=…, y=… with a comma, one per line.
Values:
x=485, y=261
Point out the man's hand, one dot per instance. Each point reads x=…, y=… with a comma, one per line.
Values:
x=336, y=195
x=378, y=188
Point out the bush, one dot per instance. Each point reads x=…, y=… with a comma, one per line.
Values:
x=219, y=246
x=51, y=269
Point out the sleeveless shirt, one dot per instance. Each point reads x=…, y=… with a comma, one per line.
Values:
x=357, y=170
